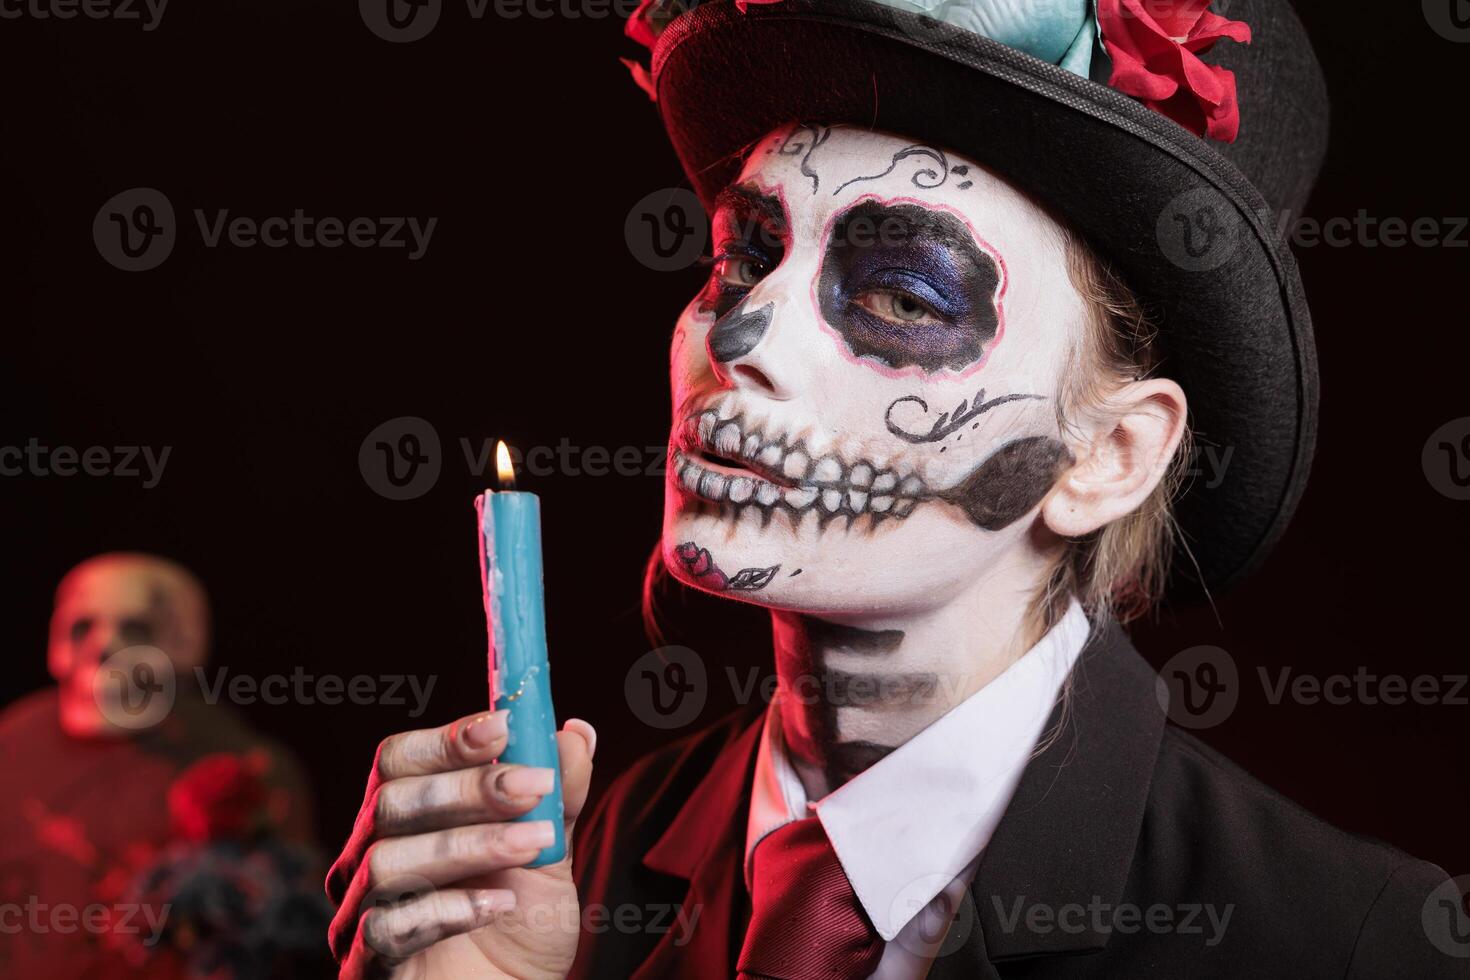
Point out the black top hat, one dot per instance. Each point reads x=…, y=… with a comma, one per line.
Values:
x=1190, y=223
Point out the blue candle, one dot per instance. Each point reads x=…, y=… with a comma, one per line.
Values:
x=520, y=676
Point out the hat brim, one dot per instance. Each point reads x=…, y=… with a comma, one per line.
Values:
x=1234, y=322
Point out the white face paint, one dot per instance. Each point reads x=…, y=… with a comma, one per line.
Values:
x=864, y=394
x=112, y=603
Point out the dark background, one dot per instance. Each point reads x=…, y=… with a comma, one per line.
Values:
x=264, y=370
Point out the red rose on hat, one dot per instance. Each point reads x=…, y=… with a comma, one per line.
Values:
x=1155, y=47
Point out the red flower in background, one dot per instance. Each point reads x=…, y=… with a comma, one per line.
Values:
x=219, y=796
x=1155, y=47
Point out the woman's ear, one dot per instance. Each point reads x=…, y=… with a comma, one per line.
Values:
x=1121, y=460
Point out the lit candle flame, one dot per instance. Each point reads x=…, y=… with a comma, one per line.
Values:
x=503, y=467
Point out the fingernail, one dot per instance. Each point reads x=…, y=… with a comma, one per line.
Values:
x=488, y=901
x=525, y=781
x=534, y=833
x=587, y=732
x=485, y=729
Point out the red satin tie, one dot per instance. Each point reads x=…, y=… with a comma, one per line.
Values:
x=806, y=923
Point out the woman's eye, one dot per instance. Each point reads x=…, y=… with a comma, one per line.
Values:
x=739, y=270
x=896, y=307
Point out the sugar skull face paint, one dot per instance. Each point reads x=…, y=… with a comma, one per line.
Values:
x=750, y=238
x=865, y=387
x=737, y=332
x=907, y=285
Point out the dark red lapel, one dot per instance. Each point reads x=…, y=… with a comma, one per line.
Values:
x=705, y=844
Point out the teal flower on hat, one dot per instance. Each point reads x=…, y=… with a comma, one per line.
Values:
x=1062, y=32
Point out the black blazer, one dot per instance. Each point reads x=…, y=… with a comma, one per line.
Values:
x=1124, y=838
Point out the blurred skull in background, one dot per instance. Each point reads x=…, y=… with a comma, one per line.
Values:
x=122, y=602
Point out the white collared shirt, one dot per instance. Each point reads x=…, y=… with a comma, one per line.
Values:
x=909, y=830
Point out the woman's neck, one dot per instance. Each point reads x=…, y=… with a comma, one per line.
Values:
x=850, y=692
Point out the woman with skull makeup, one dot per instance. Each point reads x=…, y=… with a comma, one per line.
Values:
x=931, y=409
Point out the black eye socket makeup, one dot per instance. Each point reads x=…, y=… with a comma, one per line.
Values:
x=750, y=234
x=906, y=285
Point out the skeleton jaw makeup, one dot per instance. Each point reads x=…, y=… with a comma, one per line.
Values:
x=736, y=460
x=864, y=392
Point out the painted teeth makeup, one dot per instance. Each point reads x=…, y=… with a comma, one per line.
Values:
x=727, y=439
x=741, y=489
x=712, y=486
x=801, y=498
x=782, y=473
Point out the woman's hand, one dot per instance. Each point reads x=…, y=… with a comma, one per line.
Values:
x=432, y=882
